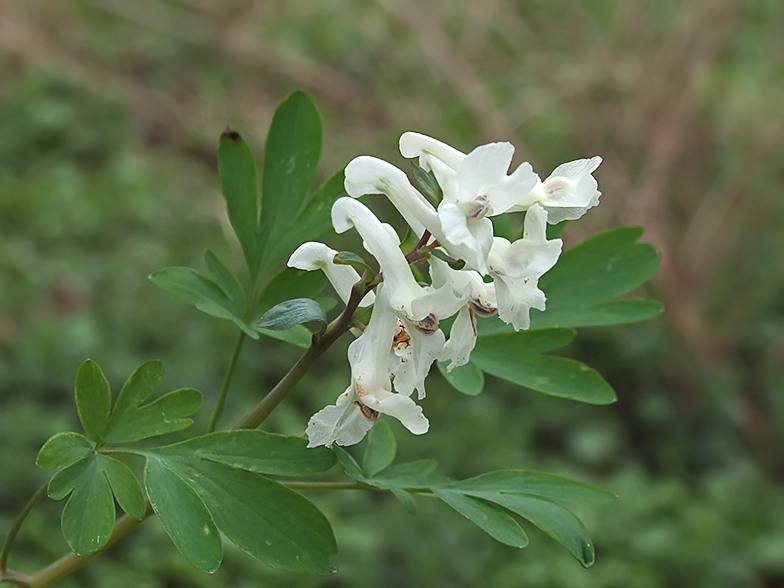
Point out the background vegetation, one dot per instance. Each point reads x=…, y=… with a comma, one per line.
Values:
x=109, y=118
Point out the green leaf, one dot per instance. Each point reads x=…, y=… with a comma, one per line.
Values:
x=298, y=335
x=380, y=449
x=237, y=169
x=515, y=345
x=427, y=184
x=183, y=514
x=88, y=517
x=456, y=264
x=226, y=280
x=287, y=284
x=93, y=399
x=405, y=499
x=137, y=388
x=314, y=220
x=62, y=450
x=597, y=270
x=467, y=378
x=531, y=482
x=487, y=516
x=294, y=312
x=125, y=486
x=265, y=519
x=614, y=312
x=190, y=286
x=347, y=461
x=351, y=258
x=255, y=451
x=414, y=474
x=556, y=376
x=165, y=415
x=292, y=151
x=555, y=520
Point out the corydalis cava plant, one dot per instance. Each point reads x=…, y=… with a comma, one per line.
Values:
x=394, y=354
x=235, y=484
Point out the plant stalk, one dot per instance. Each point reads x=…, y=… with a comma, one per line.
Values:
x=218, y=410
x=9, y=539
x=71, y=562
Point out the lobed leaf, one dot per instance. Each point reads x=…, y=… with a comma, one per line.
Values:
x=287, y=284
x=292, y=151
x=486, y=516
x=405, y=499
x=380, y=449
x=555, y=520
x=137, y=388
x=347, y=461
x=62, y=450
x=294, y=312
x=298, y=335
x=93, y=399
x=467, y=378
x=165, y=415
x=226, y=281
x=237, y=170
x=88, y=516
x=255, y=451
x=603, y=267
x=190, y=286
x=184, y=515
x=268, y=521
x=556, y=376
x=313, y=221
x=545, y=485
x=427, y=183
x=125, y=486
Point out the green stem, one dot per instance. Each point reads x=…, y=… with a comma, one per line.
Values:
x=319, y=345
x=9, y=539
x=71, y=562
x=216, y=413
x=275, y=396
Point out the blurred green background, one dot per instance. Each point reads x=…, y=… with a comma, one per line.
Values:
x=109, y=117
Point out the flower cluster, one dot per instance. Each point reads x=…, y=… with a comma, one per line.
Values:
x=393, y=354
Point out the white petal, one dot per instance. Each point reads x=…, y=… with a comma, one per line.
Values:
x=416, y=145
x=381, y=242
x=417, y=355
x=462, y=340
x=342, y=423
x=454, y=223
x=313, y=255
x=568, y=192
x=515, y=299
x=447, y=178
x=370, y=175
x=403, y=409
x=484, y=167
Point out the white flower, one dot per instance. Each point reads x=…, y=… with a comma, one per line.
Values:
x=475, y=186
x=370, y=393
x=478, y=182
x=314, y=256
x=567, y=193
x=369, y=175
x=516, y=268
x=479, y=300
x=420, y=309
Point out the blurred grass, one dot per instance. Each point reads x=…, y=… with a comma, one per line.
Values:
x=109, y=117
